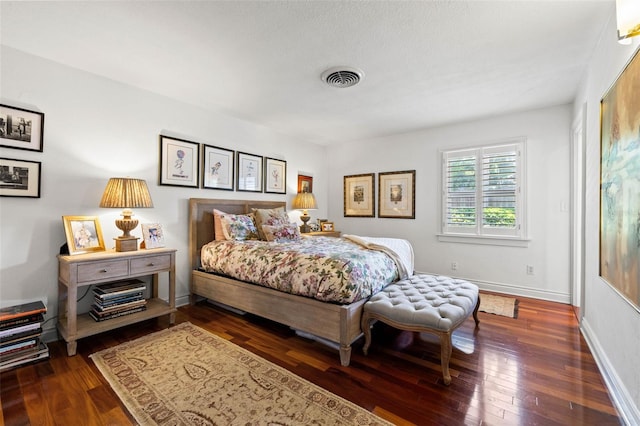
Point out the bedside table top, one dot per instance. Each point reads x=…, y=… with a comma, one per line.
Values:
x=334, y=234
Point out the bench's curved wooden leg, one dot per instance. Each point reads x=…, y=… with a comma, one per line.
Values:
x=475, y=311
x=445, y=355
x=365, y=325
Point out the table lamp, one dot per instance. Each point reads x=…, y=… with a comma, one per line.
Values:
x=126, y=193
x=304, y=201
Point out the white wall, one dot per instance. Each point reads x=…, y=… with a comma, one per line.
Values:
x=96, y=129
x=492, y=267
x=610, y=324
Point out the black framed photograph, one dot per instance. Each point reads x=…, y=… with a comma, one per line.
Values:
x=21, y=128
x=249, y=172
x=217, y=168
x=359, y=195
x=19, y=178
x=275, y=176
x=396, y=194
x=179, y=162
x=84, y=234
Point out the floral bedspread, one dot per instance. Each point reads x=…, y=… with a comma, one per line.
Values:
x=324, y=268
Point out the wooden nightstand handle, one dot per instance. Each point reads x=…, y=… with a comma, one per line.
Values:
x=103, y=271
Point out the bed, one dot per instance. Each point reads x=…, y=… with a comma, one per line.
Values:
x=333, y=323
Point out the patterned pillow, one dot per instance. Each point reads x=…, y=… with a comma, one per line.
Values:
x=280, y=233
x=238, y=227
x=277, y=216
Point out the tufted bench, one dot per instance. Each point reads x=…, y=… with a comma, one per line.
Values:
x=435, y=304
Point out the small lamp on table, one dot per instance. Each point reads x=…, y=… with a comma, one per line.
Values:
x=126, y=193
x=304, y=201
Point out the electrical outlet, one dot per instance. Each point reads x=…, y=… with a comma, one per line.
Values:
x=454, y=266
x=529, y=270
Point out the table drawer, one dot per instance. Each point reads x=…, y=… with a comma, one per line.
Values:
x=102, y=270
x=150, y=264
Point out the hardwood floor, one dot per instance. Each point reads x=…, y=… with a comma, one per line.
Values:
x=533, y=370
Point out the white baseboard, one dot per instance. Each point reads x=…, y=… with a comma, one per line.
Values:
x=627, y=409
x=515, y=290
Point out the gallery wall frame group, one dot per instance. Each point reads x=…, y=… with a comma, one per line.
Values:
x=396, y=195
x=21, y=129
x=191, y=164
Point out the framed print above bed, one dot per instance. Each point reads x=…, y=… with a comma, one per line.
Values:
x=217, y=168
x=179, y=162
x=275, y=176
x=21, y=128
x=19, y=178
x=396, y=194
x=249, y=172
x=305, y=183
x=359, y=195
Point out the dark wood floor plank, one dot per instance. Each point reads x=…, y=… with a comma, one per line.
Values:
x=535, y=369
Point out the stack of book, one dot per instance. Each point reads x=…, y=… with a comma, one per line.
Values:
x=117, y=299
x=20, y=334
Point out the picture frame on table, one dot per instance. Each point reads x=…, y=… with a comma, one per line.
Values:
x=152, y=235
x=217, y=168
x=396, y=194
x=359, y=195
x=20, y=178
x=275, y=176
x=83, y=233
x=305, y=184
x=249, y=175
x=21, y=128
x=327, y=227
x=179, y=162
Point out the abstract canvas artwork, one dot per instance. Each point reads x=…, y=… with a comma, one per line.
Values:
x=620, y=184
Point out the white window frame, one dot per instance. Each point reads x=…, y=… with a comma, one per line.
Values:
x=479, y=234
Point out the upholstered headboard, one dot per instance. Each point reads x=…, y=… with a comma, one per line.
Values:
x=201, y=219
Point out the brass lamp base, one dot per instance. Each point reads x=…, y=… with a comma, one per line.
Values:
x=304, y=228
x=126, y=244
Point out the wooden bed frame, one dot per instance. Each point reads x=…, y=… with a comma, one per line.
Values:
x=337, y=324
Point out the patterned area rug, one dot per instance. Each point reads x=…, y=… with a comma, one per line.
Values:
x=499, y=305
x=187, y=376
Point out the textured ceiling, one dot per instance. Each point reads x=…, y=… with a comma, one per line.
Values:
x=426, y=63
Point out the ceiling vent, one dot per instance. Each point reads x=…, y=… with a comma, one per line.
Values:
x=342, y=77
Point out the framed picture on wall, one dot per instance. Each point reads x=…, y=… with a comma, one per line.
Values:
x=84, y=234
x=19, y=178
x=359, y=195
x=217, y=168
x=305, y=183
x=396, y=194
x=275, y=176
x=619, y=188
x=249, y=172
x=21, y=128
x=179, y=162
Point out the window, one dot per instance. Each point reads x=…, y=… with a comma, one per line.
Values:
x=483, y=191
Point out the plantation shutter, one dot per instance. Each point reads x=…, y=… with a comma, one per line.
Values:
x=482, y=191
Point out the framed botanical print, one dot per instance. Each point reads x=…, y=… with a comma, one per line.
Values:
x=359, y=195
x=217, y=168
x=84, y=234
x=21, y=128
x=275, y=175
x=396, y=194
x=19, y=178
x=179, y=162
x=249, y=172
